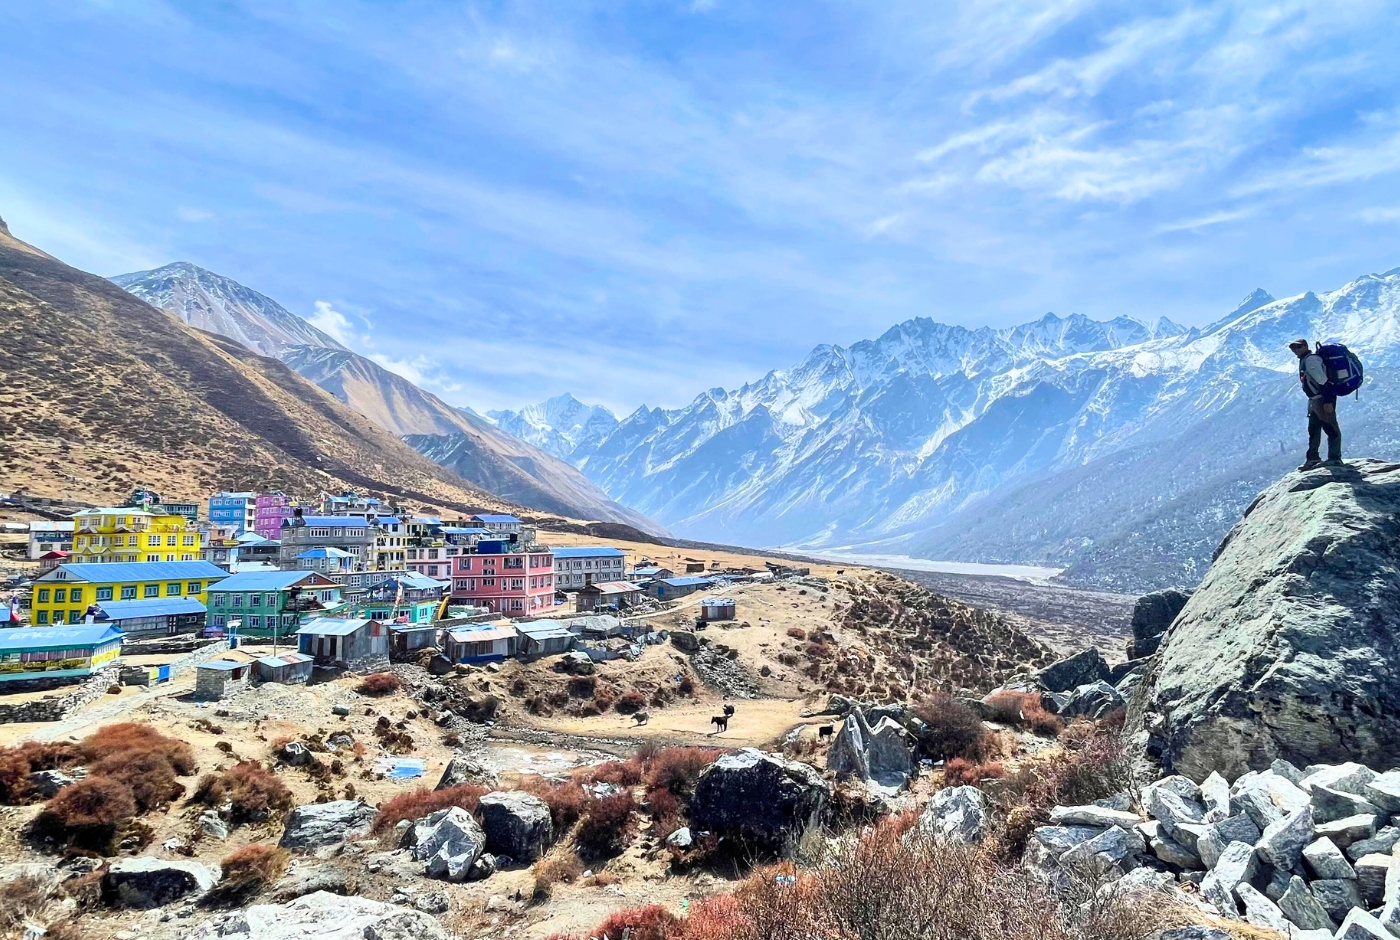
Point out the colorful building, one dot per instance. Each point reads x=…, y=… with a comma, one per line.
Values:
x=404, y=599
x=506, y=577
x=124, y=535
x=58, y=652
x=432, y=545
x=237, y=511
x=268, y=602
x=65, y=594
x=165, y=616
x=46, y=536
x=578, y=567
x=269, y=509
x=498, y=523
x=350, y=534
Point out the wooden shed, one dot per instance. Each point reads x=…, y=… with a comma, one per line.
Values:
x=358, y=645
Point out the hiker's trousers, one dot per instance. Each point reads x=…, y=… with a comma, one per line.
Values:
x=1322, y=416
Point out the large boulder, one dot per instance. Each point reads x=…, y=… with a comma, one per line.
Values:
x=1151, y=616
x=1286, y=650
x=955, y=814
x=448, y=842
x=516, y=824
x=883, y=753
x=759, y=798
x=147, y=881
x=1079, y=669
x=324, y=916
x=465, y=768
x=317, y=825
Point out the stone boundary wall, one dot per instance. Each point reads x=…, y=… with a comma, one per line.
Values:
x=60, y=706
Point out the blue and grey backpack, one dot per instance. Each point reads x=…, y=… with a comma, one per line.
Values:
x=1344, y=374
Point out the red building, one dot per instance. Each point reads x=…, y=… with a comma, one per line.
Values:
x=511, y=578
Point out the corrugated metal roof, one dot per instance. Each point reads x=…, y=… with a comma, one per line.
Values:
x=502, y=632
x=326, y=626
x=496, y=517
x=462, y=530
x=286, y=659
x=331, y=522
x=686, y=582
x=221, y=665
x=612, y=587
x=271, y=580
x=328, y=551
x=79, y=634
x=138, y=571
x=585, y=552
x=167, y=607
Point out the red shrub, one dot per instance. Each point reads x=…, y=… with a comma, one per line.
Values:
x=421, y=802
x=88, y=811
x=17, y=763
x=149, y=776
x=115, y=741
x=715, y=918
x=665, y=807
x=253, y=790
x=797, y=633
x=567, y=801
x=379, y=683
x=951, y=729
x=629, y=702
x=678, y=768
x=652, y=922
x=623, y=773
x=959, y=773
x=604, y=829
x=1023, y=710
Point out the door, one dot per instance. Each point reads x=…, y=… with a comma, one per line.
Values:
x=163, y=673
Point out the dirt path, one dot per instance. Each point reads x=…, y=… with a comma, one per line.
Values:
x=756, y=723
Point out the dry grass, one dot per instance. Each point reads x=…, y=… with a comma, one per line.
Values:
x=254, y=792
x=951, y=730
x=379, y=683
x=17, y=763
x=248, y=871
x=606, y=825
x=21, y=899
x=652, y=922
x=421, y=802
x=1023, y=710
x=87, y=812
x=958, y=772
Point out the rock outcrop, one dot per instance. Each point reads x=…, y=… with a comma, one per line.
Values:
x=323, y=916
x=759, y=798
x=517, y=824
x=448, y=842
x=882, y=753
x=147, y=881
x=1151, y=616
x=1070, y=673
x=1287, y=648
x=317, y=825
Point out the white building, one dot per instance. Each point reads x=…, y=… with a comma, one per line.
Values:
x=577, y=567
x=46, y=536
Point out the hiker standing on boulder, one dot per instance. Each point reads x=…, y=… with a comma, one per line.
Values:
x=1322, y=407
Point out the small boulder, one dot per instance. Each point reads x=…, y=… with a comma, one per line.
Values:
x=212, y=825
x=955, y=814
x=1096, y=816
x=1079, y=669
x=681, y=838
x=1381, y=843
x=146, y=881
x=1362, y=925
x=1170, y=809
x=448, y=842
x=1302, y=909
x=1349, y=777
x=464, y=768
x=1216, y=836
x=1336, y=896
x=304, y=880
x=578, y=663
x=1092, y=700
x=1282, y=843
x=1371, y=872
x=1327, y=861
x=1237, y=864
x=48, y=782
x=317, y=825
x=484, y=867
x=1267, y=797
x=326, y=916
x=516, y=824
x=1260, y=911
x=1351, y=829
x=1384, y=791
x=1110, y=854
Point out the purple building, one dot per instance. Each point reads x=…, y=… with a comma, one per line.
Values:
x=269, y=512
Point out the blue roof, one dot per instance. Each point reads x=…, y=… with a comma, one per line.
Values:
x=463, y=530
x=603, y=551
x=495, y=517
x=328, y=626
x=163, y=607
x=428, y=520
x=331, y=522
x=265, y=580
x=685, y=582
x=388, y=520
x=367, y=500
x=326, y=552
x=222, y=665
x=79, y=634
x=138, y=571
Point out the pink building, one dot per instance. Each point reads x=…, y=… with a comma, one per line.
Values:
x=269, y=511
x=507, y=577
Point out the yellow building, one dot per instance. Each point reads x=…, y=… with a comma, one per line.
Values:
x=127, y=535
x=64, y=594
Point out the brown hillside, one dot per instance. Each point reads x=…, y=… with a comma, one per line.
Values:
x=99, y=392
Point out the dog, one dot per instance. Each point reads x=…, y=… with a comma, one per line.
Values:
x=641, y=718
x=825, y=731
x=721, y=723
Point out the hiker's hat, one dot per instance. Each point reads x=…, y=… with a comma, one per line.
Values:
x=1298, y=344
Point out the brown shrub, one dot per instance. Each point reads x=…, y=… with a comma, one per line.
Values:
x=666, y=809
x=133, y=738
x=20, y=899
x=959, y=772
x=149, y=776
x=88, y=812
x=629, y=702
x=582, y=686
x=254, y=791
x=622, y=773
x=567, y=800
x=951, y=729
x=652, y=922
x=17, y=763
x=797, y=633
x=247, y=871
x=678, y=768
x=1024, y=710
x=379, y=683
x=420, y=802
x=606, y=824
x=564, y=866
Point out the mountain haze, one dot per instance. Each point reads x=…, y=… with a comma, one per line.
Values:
x=1119, y=450
x=472, y=447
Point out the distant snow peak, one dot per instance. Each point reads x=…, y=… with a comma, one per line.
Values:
x=556, y=425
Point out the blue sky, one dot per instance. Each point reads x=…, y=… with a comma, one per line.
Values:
x=637, y=201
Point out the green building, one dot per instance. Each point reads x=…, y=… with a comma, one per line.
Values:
x=268, y=602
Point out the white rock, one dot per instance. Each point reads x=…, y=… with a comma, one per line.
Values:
x=956, y=814
x=1237, y=864
x=324, y=916
x=1327, y=861
x=1361, y=925
x=1217, y=835
x=1384, y=791
x=1260, y=911
x=1346, y=831
x=448, y=842
x=1350, y=777
x=1268, y=797
x=1097, y=816
x=1215, y=794
x=1329, y=804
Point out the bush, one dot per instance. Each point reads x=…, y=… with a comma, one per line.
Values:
x=17, y=763
x=678, y=768
x=565, y=867
x=421, y=802
x=379, y=683
x=960, y=773
x=629, y=702
x=1024, y=710
x=605, y=826
x=622, y=773
x=951, y=729
x=797, y=633
x=88, y=812
x=652, y=922
x=247, y=871
x=132, y=738
x=21, y=899
x=254, y=792
x=567, y=801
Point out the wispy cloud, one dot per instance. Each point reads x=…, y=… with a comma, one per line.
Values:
x=334, y=323
x=1205, y=221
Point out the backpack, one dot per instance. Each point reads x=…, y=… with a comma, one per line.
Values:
x=1344, y=374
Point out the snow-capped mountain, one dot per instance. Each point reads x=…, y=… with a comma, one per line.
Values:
x=1119, y=450
x=219, y=304
x=558, y=425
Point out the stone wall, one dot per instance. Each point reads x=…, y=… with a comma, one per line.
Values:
x=57, y=707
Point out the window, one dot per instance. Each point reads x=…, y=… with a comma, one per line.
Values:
x=517, y=605
x=464, y=564
x=237, y=600
x=75, y=616
x=255, y=622
x=75, y=595
x=170, y=540
x=153, y=540
x=516, y=562
x=517, y=584
x=60, y=595
x=254, y=600
x=104, y=594
x=216, y=600
x=218, y=620
x=41, y=617
x=270, y=600
x=172, y=589
x=129, y=592
x=151, y=590
x=187, y=557
x=187, y=540
x=170, y=557
x=488, y=582
x=194, y=587
x=43, y=595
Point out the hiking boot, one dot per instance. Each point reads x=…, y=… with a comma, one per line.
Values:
x=1312, y=463
x=1334, y=462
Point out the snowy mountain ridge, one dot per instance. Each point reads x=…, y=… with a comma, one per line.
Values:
x=910, y=442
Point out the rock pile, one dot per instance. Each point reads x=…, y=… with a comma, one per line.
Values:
x=1288, y=647
x=1313, y=853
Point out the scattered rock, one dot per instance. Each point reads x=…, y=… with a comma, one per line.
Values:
x=1074, y=671
x=1362, y=925
x=1109, y=854
x=1096, y=816
x=147, y=881
x=465, y=768
x=681, y=838
x=1152, y=615
x=323, y=916
x=1281, y=844
x=49, y=782
x=1327, y=861
x=516, y=824
x=304, y=880
x=484, y=867
x=1330, y=805
x=1267, y=797
x=1218, y=835
x=1300, y=907
x=1351, y=829
x=955, y=814
x=1238, y=863
x=317, y=825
